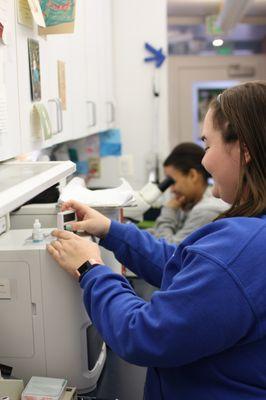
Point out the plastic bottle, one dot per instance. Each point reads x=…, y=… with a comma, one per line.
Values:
x=37, y=234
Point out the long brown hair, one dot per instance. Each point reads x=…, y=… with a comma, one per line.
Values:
x=240, y=114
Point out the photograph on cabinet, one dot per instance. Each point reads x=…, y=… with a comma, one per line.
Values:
x=35, y=73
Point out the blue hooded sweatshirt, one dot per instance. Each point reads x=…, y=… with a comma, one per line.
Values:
x=203, y=334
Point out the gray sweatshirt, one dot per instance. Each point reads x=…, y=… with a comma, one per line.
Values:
x=175, y=225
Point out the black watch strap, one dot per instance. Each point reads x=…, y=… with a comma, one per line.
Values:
x=85, y=267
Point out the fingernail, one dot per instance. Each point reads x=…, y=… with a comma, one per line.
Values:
x=68, y=227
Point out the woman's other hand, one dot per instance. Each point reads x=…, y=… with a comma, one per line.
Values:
x=70, y=251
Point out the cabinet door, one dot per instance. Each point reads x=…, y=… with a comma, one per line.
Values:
x=105, y=65
x=91, y=68
x=10, y=144
x=83, y=82
x=29, y=135
x=93, y=27
x=60, y=112
x=109, y=97
x=87, y=69
x=106, y=84
x=51, y=48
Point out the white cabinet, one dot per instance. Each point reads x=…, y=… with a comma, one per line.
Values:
x=106, y=84
x=84, y=70
x=87, y=57
x=10, y=141
x=92, y=65
x=58, y=50
x=29, y=139
x=52, y=48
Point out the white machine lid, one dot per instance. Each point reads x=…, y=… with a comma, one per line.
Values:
x=21, y=181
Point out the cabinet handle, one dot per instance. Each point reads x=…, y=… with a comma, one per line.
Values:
x=59, y=115
x=93, y=106
x=112, y=108
x=113, y=111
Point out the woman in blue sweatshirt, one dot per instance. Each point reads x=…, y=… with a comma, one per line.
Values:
x=203, y=334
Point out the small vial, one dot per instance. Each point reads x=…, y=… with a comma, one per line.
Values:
x=37, y=234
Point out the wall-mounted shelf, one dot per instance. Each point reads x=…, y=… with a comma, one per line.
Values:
x=21, y=181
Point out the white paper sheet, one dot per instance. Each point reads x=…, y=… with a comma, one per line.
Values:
x=121, y=196
x=37, y=12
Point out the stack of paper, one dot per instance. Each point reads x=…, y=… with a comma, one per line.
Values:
x=116, y=197
x=42, y=388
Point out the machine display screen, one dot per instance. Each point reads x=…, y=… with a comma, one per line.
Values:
x=69, y=217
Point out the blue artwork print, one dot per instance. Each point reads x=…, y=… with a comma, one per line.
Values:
x=57, y=12
x=110, y=143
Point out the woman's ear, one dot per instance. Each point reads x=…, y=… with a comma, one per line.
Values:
x=193, y=174
x=247, y=157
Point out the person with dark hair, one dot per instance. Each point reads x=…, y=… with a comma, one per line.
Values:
x=192, y=204
x=203, y=334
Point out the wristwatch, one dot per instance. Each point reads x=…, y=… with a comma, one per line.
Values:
x=85, y=267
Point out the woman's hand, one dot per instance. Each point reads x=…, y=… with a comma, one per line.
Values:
x=70, y=251
x=176, y=203
x=91, y=220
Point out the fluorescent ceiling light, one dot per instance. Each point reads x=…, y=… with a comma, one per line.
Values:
x=232, y=12
x=217, y=42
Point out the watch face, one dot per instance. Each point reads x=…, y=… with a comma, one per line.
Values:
x=84, y=267
x=87, y=266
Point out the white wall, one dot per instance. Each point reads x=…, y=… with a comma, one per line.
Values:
x=136, y=22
